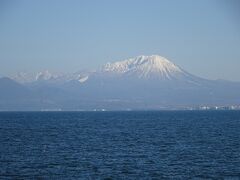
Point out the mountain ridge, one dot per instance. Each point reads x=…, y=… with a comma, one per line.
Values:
x=142, y=67
x=143, y=82
x=145, y=67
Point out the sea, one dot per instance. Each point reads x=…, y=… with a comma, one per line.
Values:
x=120, y=145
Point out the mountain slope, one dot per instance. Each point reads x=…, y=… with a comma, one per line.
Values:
x=143, y=82
x=10, y=89
x=151, y=82
x=16, y=96
x=146, y=67
x=141, y=67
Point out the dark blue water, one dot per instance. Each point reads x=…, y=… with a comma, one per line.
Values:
x=120, y=145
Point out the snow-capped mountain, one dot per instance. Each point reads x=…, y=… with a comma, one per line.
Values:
x=45, y=75
x=50, y=77
x=146, y=67
x=141, y=67
x=24, y=77
x=143, y=82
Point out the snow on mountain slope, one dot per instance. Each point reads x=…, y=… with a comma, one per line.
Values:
x=143, y=82
x=49, y=77
x=141, y=67
x=146, y=67
x=45, y=75
x=24, y=77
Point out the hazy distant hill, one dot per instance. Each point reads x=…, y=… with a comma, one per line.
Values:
x=11, y=90
x=144, y=82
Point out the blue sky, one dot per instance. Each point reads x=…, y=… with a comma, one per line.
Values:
x=203, y=37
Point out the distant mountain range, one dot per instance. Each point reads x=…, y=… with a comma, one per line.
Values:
x=140, y=83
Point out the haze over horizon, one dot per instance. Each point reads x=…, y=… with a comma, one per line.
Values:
x=202, y=37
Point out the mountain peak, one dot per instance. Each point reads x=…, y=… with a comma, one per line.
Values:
x=141, y=67
x=145, y=67
x=152, y=58
x=44, y=75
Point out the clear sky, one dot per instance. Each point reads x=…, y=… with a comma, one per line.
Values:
x=201, y=36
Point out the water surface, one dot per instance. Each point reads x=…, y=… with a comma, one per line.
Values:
x=120, y=145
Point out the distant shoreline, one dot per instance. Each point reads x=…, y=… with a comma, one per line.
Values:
x=76, y=111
